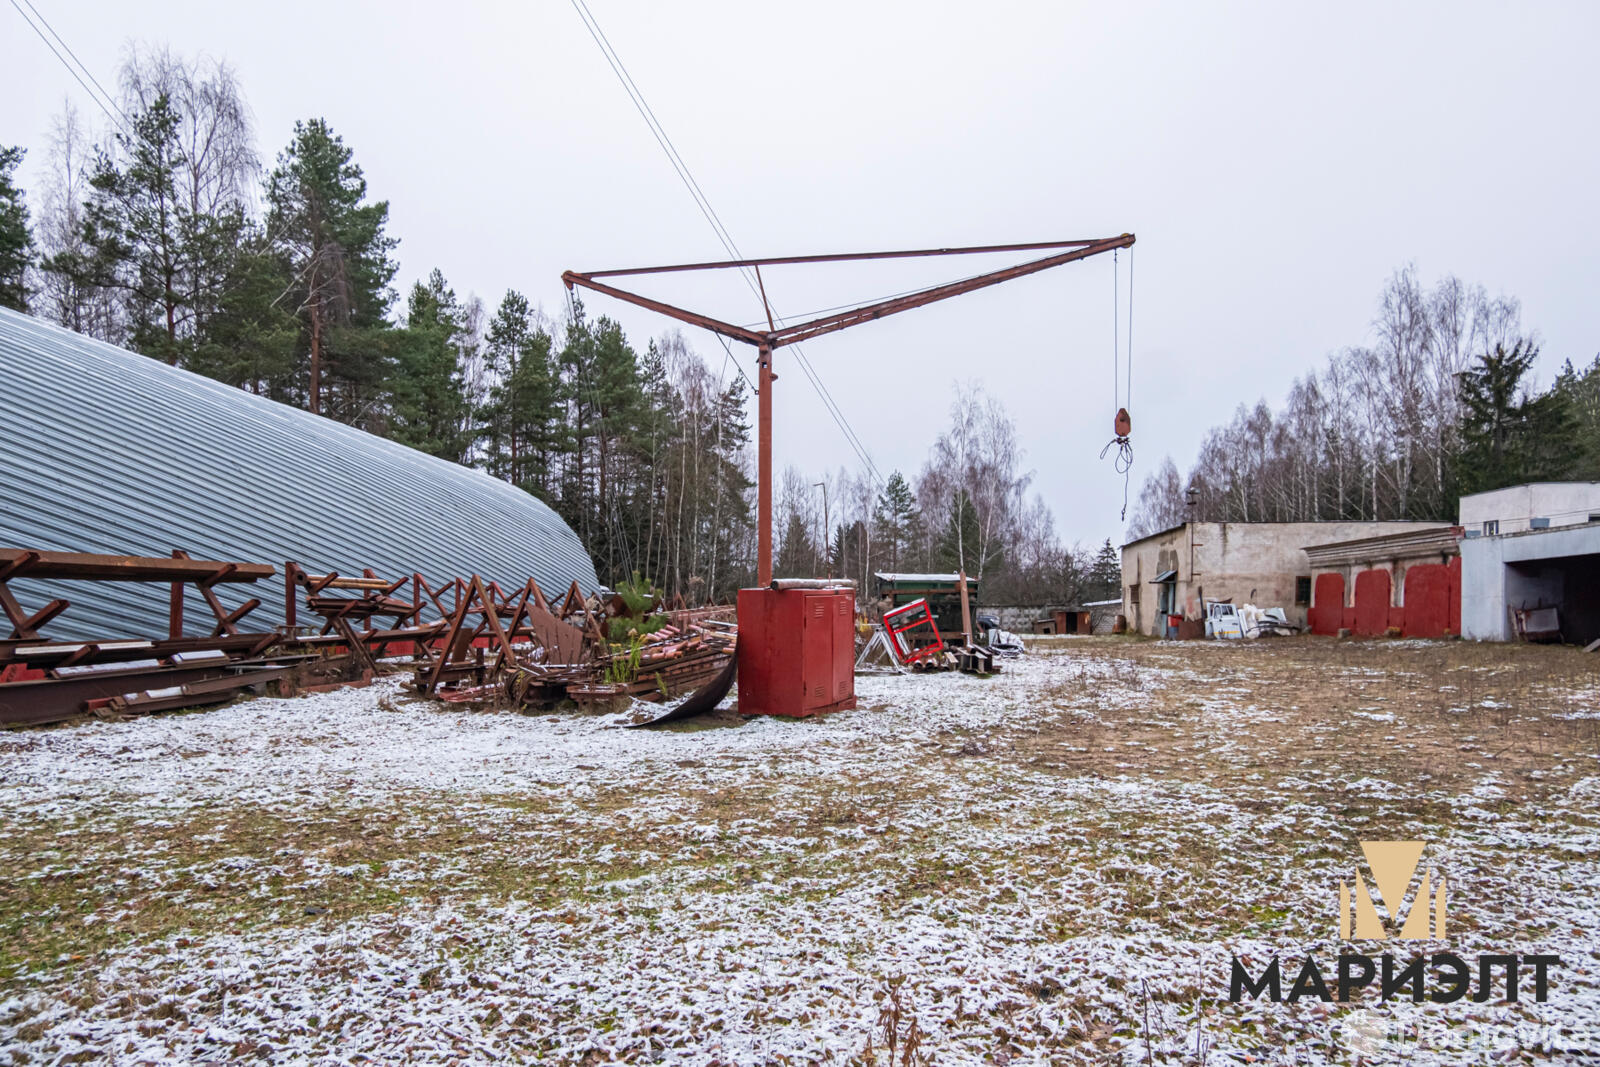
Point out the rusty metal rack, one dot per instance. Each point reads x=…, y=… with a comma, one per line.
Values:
x=43, y=680
x=485, y=615
x=342, y=602
x=487, y=643
x=519, y=649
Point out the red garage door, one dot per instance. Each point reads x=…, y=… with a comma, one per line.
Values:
x=1372, y=603
x=1428, y=588
x=1327, y=604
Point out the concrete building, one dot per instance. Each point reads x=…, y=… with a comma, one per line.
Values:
x=1556, y=568
x=1535, y=506
x=1261, y=563
x=1533, y=549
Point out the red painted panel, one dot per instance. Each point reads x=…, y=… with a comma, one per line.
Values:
x=759, y=654
x=1429, y=590
x=1372, y=603
x=816, y=640
x=788, y=655
x=1327, y=604
x=844, y=648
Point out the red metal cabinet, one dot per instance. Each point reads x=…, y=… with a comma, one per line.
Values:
x=796, y=651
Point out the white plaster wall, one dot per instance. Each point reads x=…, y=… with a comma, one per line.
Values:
x=1488, y=587
x=1563, y=503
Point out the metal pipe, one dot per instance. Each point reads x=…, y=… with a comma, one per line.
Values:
x=837, y=257
x=867, y=312
x=827, y=528
x=764, y=468
x=737, y=333
x=766, y=343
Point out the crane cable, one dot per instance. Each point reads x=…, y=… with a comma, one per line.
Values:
x=1122, y=425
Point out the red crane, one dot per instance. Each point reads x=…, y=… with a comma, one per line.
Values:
x=774, y=338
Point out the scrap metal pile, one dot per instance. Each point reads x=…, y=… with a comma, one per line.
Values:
x=483, y=643
x=909, y=639
x=518, y=648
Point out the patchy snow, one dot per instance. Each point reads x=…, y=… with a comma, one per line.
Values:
x=683, y=901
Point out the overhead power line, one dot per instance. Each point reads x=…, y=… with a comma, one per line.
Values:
x=714, y=220
x=98, y=94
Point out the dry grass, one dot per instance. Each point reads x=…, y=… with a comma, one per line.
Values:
x=961, y=817
x=1324, y=703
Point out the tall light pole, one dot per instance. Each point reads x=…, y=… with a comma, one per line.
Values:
x=827, y=527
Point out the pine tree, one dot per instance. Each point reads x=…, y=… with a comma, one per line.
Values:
x=338, y=255
x=249, y=339
x=893, y=519
x=1581, y=392
x=1508, y=435
x=603, y=397
x=1105, y=574
x=16, y=242
x=165, y=262
x=428, y=402
x=136, y=227
x=522, y=409
x=731, y=525
x=797, y=555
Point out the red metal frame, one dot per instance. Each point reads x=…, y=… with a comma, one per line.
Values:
x=906, y=618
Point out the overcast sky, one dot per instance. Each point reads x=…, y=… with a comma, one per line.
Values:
x=1277, y=163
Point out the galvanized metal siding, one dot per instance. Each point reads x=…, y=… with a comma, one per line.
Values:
x=104, y=450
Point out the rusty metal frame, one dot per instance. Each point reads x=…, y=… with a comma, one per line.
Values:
x=788, y=335
x=775, y=338
x=180, y=571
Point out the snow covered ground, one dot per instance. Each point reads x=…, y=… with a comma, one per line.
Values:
x=1053, y=865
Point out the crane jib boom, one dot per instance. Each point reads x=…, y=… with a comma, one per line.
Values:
x=775, y=338
x=788, y=335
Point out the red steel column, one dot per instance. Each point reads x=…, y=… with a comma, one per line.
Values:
x=764, y=469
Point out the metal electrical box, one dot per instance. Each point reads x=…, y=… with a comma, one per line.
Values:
x=796, y=651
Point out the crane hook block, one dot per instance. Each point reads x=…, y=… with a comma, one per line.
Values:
x=1123, y=424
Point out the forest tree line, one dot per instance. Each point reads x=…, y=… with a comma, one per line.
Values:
x=1442, y=403
x=167, y=233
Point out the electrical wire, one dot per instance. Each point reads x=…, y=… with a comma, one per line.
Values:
x=871, y=300
x=118, y=119
x=714, y=220
x=81, y=64
x=730, y=358
x=1129, y=405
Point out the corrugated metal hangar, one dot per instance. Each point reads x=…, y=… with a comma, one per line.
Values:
x=106, y=451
